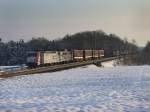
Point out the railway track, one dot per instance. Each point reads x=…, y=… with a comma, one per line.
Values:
x=54, y=67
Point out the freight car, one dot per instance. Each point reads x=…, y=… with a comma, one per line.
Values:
x=43, y=58
x=80, y=55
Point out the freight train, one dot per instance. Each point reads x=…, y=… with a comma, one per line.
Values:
x=43, y=58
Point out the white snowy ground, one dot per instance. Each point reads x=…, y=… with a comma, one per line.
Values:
x=11, y=68
x=85, y=89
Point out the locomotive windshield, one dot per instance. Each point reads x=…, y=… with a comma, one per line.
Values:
x=33, y=54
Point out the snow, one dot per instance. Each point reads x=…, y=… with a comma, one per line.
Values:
x=84, y=89
x=11, y=68
x=109, y=64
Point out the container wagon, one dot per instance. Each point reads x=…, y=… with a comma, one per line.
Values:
x=88, y=54
x=78, y=55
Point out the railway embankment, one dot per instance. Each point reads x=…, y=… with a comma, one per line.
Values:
x=53, y=68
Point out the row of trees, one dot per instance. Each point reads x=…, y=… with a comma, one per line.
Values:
x=143, y=56
x=12, y=53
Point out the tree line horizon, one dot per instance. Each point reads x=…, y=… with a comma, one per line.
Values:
x=14, y=52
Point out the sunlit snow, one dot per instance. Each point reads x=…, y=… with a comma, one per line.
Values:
x=84, y=89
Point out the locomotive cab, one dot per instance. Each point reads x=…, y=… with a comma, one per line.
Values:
x=33, y=59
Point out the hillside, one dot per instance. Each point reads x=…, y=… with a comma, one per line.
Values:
x=13, y=53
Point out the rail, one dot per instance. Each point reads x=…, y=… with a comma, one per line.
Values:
x=55, y=67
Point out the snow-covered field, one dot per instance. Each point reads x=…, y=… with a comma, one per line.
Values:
x=85, y=89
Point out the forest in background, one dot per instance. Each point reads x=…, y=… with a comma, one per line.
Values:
x=15, y=52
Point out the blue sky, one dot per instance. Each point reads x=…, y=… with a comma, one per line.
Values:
x=56, y=18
